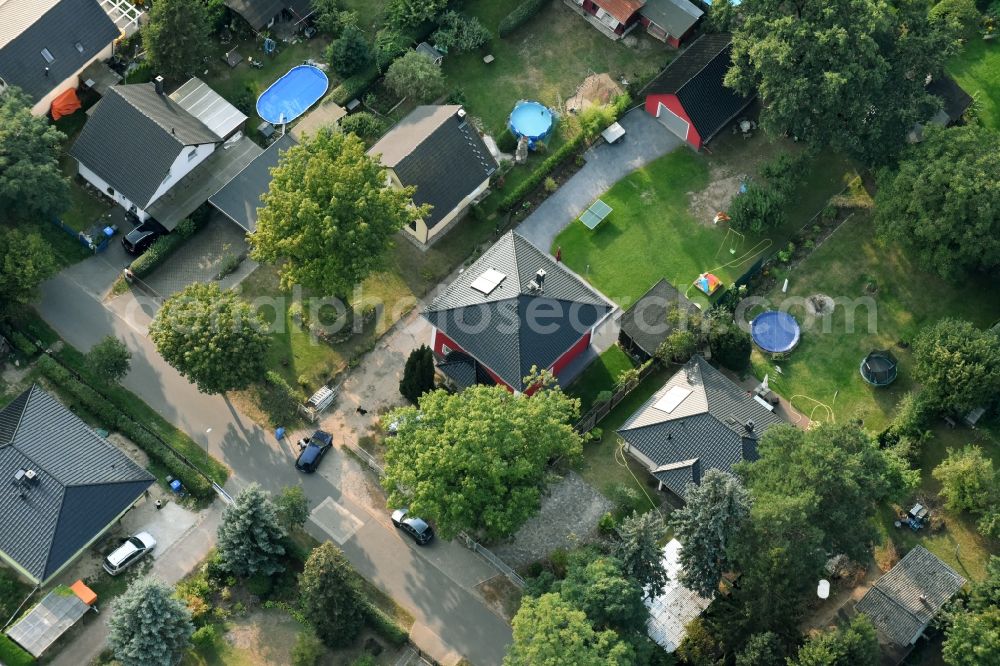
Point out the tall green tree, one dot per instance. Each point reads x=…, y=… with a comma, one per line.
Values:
x=838, y=470
x=763, y=649
x=250, y=536
x=109, y=359
x=26, y=261
x=841, y=74
x=973, y=639
x=550, y=631
x=730, y=344
x=329, y=596
x=610, y=598
x=292, y=506
x=404, y=13
x=476, y=460
x=31, y=183
x=457, y=33
x=958, y=366
x=329, y=218
x=177, y=37
x=418, y=374
x=149, y=626
x=943, y=203
x=712, y=515
x=968, y=480
x=416, y=76
x=853, y=645
x=212, y=337
x=638, y=550
x=349, y=53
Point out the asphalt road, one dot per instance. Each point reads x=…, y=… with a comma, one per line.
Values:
x=431, y=584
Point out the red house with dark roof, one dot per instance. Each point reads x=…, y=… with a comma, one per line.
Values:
x=689, y=97
x=669, y=21
x=513, y=309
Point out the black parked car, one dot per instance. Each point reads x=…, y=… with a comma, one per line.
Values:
x=312, y=450
x=416, y=528
x=139, y=239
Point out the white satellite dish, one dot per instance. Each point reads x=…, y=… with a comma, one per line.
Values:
x=823, y=591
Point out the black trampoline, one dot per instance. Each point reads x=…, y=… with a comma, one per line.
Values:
x=879, y=368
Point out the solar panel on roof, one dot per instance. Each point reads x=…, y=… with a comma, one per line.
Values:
x=672, y=398
x=488, y=281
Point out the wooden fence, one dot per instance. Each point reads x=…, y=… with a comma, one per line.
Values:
x=599, y=411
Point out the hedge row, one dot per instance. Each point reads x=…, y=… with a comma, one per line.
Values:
x=526, y=186
x=12, y=655
x=113, y=418
x=385, y=626
x=521, y=15
x=164, y=246
x=353, y=86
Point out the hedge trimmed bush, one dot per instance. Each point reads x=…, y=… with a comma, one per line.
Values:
x=526, y=186
x=163, y=248
x=354, y=86
x=521, y=15
x=12, y=655
x=112, y=417
x=384, y=626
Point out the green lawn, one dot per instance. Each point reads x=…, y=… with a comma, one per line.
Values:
x=601, y=375
x=958, y=544
x=824, y=367
x=977, y=70
x=652, y=234
x=546, y=59
x=602, y=465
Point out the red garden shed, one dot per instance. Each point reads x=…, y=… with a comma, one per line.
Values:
x=689, y=98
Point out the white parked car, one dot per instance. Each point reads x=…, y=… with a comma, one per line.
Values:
x=131, y=550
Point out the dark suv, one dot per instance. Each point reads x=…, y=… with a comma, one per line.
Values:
x=415, y=528
x=312, y=450
x=139, y=239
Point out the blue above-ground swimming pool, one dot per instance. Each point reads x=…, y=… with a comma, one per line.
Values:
x=288, y=98
x=531, y=119
x=775, y=332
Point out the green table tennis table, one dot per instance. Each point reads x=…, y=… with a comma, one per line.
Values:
x=595, y=214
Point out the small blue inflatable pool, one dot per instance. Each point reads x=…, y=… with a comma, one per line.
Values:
x=531, y=119
x=291, y=95
x=775, y=332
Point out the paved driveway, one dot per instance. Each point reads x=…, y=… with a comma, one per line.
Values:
x=645, y=140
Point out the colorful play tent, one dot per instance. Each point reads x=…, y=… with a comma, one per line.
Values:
x=65, y=104
x=708, y=283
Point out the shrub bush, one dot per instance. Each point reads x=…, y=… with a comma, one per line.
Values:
x=349, y=53
x=607, y=524
x=627, y=500
x=282, y=399
x=353, y=87
x=507, y=142
x=308, y=648
x=366, y=125
x=384, y=626
x=521, y=15
x=260, y=585
x=204, y=638
x=756, y=209
x=164, y=246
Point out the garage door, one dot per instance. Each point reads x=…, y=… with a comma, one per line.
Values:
x=672, y=121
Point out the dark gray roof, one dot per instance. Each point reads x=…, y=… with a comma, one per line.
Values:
x=461, y=368
x=706, y=430
x=439, y=153
x=696, y=78
x=133, y=137
x=83, y=483
x=645, y=322
x=674, y=16
x=954, y=99
x=894, y=603
x=59, y=30
x=239, y=199
x=258, y=13
x=515, y=327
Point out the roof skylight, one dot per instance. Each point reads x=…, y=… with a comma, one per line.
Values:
x=672, y=399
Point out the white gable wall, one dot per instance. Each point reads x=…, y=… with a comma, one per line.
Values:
x=104, y=188
x=182, y=166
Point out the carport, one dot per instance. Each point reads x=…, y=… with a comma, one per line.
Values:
x=58, y=611
x=239, y=199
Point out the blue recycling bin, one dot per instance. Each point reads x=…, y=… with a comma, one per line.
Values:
x=279, y=434
x=175, y=485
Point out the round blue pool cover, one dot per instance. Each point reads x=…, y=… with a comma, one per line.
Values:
x=775, y=331
x=291, y=95
x=531, y=119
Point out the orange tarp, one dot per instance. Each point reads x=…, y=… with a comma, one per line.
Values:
x=85, y=594
x=65, y=104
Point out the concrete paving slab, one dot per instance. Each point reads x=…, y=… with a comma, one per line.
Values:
x=168, y=525
x=334, y=519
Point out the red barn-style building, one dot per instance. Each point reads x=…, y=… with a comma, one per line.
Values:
x=689, y=97
x=669, y=21
x=514, y=308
